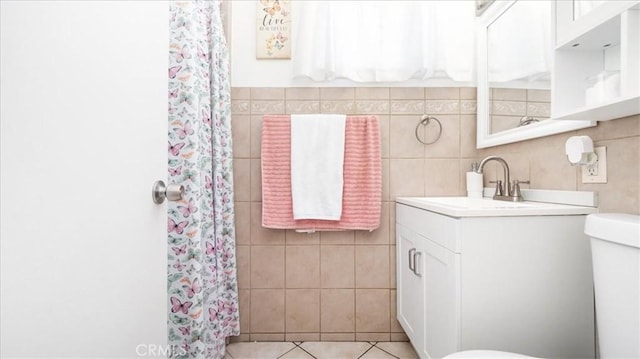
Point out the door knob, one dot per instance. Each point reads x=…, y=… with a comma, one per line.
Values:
x=172, y=192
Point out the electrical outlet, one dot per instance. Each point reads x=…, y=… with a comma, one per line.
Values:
x=597, y=172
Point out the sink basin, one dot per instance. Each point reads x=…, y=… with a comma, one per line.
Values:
x=487, y=207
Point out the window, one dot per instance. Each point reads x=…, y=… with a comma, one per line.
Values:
x=385, y=41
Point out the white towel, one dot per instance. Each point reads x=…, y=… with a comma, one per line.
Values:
x=317, y=158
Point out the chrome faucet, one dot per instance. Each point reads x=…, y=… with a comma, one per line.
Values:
x=506, y=192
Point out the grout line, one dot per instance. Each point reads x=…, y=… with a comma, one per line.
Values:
x=285, y=285
x=393, y=355
x=355, y=293
x=285, y=353
x=313, y=356
x=366, y=351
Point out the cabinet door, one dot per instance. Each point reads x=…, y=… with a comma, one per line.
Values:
x=410, y=288
x=440, y=269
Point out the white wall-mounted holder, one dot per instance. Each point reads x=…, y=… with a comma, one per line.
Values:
x=579, y=150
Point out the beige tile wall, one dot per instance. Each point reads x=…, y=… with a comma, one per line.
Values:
x=341, y=285
x=544, y=162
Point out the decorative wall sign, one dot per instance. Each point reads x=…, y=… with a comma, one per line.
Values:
x=273, y=29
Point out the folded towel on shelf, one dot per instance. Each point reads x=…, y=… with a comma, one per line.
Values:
x=362, y=176
x=317, y=161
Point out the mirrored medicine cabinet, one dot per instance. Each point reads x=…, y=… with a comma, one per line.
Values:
x=536, y=79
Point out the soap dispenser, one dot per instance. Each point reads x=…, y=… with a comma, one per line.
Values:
x=474, y=182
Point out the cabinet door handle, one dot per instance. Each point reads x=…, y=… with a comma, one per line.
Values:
x=412, y=258
x=416, y=257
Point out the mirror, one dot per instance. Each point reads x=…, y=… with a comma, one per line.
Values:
x=515, y=60
x=519, y=53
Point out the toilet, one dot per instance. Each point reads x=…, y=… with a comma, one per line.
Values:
x=615, y=249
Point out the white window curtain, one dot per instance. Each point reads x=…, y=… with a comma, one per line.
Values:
x=385, y=41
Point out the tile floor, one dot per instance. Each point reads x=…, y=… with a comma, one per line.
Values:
x=320, y=350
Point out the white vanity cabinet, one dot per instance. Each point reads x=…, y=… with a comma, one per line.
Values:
x=411, y=302
x=512, y=283
x=429, y=281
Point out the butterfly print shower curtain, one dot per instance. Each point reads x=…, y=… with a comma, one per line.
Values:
x=202, y=286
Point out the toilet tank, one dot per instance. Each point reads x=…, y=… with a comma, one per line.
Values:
x=615, y=248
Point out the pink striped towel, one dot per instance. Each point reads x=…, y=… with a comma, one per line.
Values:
x=362, y=191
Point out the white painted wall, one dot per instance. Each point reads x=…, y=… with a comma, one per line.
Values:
x=83, y=137
x=247, y=71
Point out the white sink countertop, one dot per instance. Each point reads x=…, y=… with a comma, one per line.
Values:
x=487, y=207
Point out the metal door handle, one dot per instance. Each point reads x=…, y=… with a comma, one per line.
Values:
x=172, y=192
x=415, y=261
x=412, y=252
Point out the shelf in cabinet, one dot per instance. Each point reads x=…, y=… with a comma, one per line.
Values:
x=604, y=35
x=610, y=110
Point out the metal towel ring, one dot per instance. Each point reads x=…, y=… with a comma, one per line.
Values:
x=425, y=121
